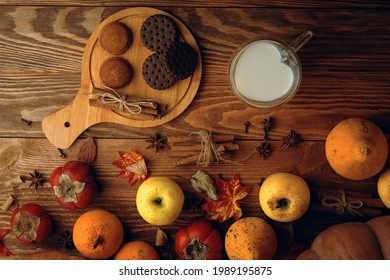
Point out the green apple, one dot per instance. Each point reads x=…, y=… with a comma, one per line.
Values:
x=159, y=200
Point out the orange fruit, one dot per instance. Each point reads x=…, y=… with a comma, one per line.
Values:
x=98, y=234
x=250, y=238
x=137, y=250
x=356, y=149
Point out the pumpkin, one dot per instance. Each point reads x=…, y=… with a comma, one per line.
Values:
x=250, y=238
x=352, y=241
x=356, y=149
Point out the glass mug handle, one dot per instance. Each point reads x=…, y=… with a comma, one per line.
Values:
x=301, y=40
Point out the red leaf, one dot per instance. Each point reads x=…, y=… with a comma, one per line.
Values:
x=132, y=166
x=227, y=205
x=3, y=250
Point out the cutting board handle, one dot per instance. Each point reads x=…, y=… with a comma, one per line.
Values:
x=64, y=126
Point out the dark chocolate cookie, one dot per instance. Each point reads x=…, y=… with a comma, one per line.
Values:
x=115, y=37
x=180, y=60
x=158, y=32
x=155, y=74
x=115, y=72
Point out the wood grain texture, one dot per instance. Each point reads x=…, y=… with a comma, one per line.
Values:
x=20, y=156
x=201, y=3
x=344, y=67
x=345, y=74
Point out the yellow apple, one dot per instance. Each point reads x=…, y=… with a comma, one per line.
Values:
x=284, y=197
x=159, y=200
x=384, y=188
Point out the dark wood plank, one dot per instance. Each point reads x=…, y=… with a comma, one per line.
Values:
x=201, y=3
x=20, y=156
x=345, y=68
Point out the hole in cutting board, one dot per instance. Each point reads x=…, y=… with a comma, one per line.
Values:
x=67, y=124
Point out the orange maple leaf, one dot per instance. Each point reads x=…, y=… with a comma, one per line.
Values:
x=132, y=166
x=227, y=205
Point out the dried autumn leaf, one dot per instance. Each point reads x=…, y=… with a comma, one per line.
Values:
x=87, y=151
x=202, y=182
x=227, y=205
x=161, y=238
x=133, y=167
x=3, y=250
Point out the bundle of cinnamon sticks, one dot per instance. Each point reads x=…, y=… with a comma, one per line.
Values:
x=187, y=148
x=365, y=204
x=146, y=113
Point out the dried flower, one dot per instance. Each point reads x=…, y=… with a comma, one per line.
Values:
x=133, y=167
x=36, y=179
x=156, y=142
x=291, y=140
x=263, y=149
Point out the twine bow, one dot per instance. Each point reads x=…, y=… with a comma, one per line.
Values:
x=131, y=106
x=209, y=151
x=342, y=204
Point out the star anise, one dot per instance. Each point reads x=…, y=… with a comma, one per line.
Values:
x=67, y=240
x=36, y=179
x=267, y=127
x=291, y=140
x=156, y=142
x=263, y=149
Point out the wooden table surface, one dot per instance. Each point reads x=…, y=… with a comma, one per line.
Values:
x=345, y=74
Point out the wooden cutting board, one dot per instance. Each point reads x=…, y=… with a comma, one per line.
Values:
x=63, y=127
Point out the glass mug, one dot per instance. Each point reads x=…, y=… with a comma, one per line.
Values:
x=266, y=73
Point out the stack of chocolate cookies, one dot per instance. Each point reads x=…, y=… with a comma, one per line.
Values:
x=172, y=59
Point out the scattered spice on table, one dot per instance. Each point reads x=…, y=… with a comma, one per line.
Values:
x=66, y=238
x=62, y=153
x=263, y=149
x=291, y=140
x=157, y=142
x=36, y=179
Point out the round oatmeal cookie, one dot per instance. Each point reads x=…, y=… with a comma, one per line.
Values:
x=115, y=72
x=115, y=37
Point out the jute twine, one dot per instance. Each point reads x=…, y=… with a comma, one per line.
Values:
x=342, y=204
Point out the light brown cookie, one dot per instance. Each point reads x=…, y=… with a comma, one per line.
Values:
x=115, y=37
x=115, y=72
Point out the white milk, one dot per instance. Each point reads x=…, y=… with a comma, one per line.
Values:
x=260, y=75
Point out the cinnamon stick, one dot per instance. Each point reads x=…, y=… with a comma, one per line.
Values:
x=194, y=158
x=366, y=211
x=336, y=192
x=7, y=204
x=230, y=146
x=183, y=139
x=145, y=114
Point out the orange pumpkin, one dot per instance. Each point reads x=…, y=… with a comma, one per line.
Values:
x=352, y=241
x=356, y=149
x=250, y=238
